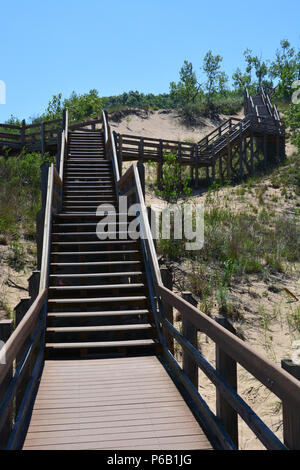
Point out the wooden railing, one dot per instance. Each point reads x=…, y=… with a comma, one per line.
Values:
x=131, y=147
x=83, y=125
x=225, y=127
x=32, y=136
x=279, y=382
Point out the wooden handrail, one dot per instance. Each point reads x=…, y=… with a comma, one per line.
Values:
x=62, y=155
x=21, y=367
x=274, y=378
x=53, y=178
x=20, y=335
x=279, y=382
x=110, y=146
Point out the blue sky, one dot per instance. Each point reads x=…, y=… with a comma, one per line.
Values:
x=47, y=47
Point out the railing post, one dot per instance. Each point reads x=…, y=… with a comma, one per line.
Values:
x=228, y=161
x=23, y=130
x=265, y=146
x=251, y=149
x=241, y=152
x=159, y=173
x=189, y=331
x=63, y=122
x=44, y=182
x=6, y=329
x=141, y=150
x=141, y=170
x=43, y=140
x=213, y=172
x=167, y=280
x=153, y=224
x=120, y=154
x=227, y=367
x=196, y=167
x=290, y=414
x=179, y=153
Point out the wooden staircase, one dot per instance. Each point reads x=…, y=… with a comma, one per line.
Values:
x=98, y=298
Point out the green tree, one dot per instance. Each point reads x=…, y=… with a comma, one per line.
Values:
x=215, y=77
x=187, y=89
x=257, y=64
x=240, y=80
x=285, y=68
x=85, y=106
x=175, y=183
x=292, y=119
x=54, y=109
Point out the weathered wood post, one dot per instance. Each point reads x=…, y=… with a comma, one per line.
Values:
x=241, y=151
x=265, y=146
x=41, y=214
x=43, y=142
x=34, y=284
x=141, y=150
x=153, y=224
x=23, y=131
x=159, y=173
x=251, y=150
x=229, y=157
x=189, y=331
x=120, y=154
x=167, y=280
x=221, y=169
x=196, y=166
x=213, y=172
x=290, y=414
x=179, y=153
x=6, y=329
x=277, y=142
x=227, y=367
x=141, y=170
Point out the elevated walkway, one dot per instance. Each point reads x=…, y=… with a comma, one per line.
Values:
x=123, y=403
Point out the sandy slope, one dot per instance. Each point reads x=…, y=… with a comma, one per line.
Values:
x=164, y=124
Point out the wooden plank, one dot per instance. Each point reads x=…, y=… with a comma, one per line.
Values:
x=163, y=443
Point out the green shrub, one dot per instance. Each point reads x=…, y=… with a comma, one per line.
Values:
x=175, y=182
x=16, y=256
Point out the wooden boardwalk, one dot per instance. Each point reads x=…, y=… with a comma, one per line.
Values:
x=121, y=403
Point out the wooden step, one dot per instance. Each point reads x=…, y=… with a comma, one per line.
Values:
x=107, y=313
x=93, y=253
x=95, y=275
x=111, y=233
x=105, y=328
x=97, y=287
x=102, y=344
x=97, y=299
x=87, y=224
x=96, y=263
x=97, y=242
